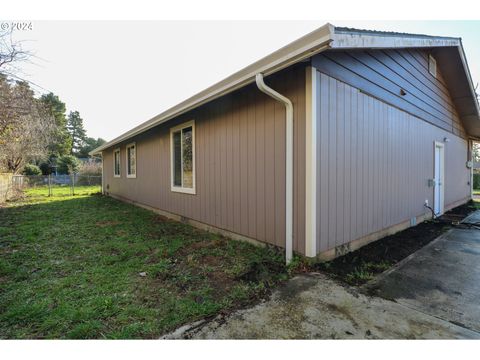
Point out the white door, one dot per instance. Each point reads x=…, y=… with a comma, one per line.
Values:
x=439, y=178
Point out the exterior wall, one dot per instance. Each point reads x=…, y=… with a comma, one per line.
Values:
x=374, y=161
x=385, y=73
x=374, y=153
x=240, y=164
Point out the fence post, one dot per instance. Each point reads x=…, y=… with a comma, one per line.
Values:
x=73, y=185
x=49, y=185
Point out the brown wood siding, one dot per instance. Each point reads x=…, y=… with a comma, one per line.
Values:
x=240, y=164
x=374, y=161
x=384, y=73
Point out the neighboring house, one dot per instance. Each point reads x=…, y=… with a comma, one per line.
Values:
x=361, y=129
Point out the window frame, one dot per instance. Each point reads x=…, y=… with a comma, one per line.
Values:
x=432, y=69
x=115, y=175
x=132, y=144
x=173, y=187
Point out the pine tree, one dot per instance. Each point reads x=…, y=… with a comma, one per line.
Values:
x=61, y=142
x=89, y=145
x=77, y=131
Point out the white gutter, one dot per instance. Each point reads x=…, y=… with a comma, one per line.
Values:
x=288, y=162
x=295, y=52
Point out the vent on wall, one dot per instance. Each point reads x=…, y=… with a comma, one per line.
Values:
x=413, y=221
x=432, y=65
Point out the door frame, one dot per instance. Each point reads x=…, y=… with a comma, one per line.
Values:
x=441, y=146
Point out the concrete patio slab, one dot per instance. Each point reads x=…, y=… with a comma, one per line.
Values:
x=442, y=279
x=473, y=218
x=316, y=307
x=432, y=294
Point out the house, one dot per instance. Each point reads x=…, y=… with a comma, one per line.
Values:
x=338, y=139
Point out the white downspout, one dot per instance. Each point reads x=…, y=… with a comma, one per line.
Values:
x=288, y=163
x=471, y=167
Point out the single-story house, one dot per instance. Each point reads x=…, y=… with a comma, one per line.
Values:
x=338, y=139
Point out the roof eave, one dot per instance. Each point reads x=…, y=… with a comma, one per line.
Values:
x=469, y=77
x=301, y=49
x=313, y=43
x=353, y=40
x=345, y=39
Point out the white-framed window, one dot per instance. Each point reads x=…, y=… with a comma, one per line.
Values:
x=432, y=65
x=131, y=153
x=116, y=163
x=182, y=147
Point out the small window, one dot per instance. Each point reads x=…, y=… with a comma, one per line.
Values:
x=116, y=163
x=182, y=139
x=432, y=65
x=131, y=161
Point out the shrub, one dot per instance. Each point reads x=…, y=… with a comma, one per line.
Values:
x=90, y=173
x=476, y=181
x=68, y=164
x=90, y=168
x=31, y=169
x=46, y=168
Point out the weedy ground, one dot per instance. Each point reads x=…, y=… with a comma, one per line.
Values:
x=89, y=266
x=362, y=265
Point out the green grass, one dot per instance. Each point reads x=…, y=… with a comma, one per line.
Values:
x=476, y=192
x=70, y=268
x=366, y=271
x=40, y=193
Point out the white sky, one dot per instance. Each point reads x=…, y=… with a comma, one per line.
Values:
x=118, y=74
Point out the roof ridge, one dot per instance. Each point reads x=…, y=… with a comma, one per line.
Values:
x=345, y=29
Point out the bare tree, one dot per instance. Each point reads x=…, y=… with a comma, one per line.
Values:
x=7, y=118
x=11, y=52
x=28, y=133
x=476, y=152
x=26, y=125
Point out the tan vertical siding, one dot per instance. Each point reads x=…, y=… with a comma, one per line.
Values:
x=374, y=163
x=240, y=164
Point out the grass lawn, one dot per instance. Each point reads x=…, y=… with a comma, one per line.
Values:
x=89, y=266
x=476, y=192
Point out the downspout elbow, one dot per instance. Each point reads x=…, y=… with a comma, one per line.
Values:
x=288, y=162
x=272, y=93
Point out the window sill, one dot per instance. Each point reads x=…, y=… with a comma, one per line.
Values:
x=116, y=176
x=190, y=191
x=131, y=176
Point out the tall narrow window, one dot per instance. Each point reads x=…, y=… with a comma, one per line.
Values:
x=131, y=161
x=116, y=163
x=182, y=140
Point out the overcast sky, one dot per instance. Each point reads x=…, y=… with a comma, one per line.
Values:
x=120, y=74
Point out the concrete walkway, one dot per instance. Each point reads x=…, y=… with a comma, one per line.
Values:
x=317, y=307
x=433, y=294
x=442, y=279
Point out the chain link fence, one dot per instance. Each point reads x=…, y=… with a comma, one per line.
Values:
x=53, y=185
